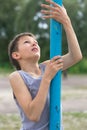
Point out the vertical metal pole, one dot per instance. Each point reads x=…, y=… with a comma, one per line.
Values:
x=55, y=88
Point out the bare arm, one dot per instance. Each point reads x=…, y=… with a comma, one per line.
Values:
x=59, y=14
x=74, y=53
x=34, y=107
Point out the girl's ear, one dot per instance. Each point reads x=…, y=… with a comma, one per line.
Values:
x=16, y=55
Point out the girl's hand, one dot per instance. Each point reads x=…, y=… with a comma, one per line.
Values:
x=54, y=11
x=53, y=67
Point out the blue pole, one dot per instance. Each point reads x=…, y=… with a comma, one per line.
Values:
x=55, y=88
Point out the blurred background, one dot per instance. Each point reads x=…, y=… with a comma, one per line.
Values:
x=25, y=16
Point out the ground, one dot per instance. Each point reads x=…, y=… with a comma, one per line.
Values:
x=74, y=94
x=74, y=100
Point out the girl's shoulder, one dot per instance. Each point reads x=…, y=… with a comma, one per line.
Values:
x=42, y=67
x=13, y=75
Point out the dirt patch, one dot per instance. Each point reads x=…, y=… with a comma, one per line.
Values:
x=74, y=94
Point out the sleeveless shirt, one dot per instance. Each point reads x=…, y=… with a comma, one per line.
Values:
x=33, y=85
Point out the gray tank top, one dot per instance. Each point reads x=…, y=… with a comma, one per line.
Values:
x=33, y=84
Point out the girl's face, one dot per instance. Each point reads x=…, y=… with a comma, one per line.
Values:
x=28, y=47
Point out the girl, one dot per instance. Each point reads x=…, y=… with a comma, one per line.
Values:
x=31, y=81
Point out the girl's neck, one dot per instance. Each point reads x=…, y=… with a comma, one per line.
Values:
x=31, y=68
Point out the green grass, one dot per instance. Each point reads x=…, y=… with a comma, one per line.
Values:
x=9, y=122
x=71, y=121
x=5, y=70
x=75, y=121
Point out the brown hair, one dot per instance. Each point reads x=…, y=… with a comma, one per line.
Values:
x=13, y=46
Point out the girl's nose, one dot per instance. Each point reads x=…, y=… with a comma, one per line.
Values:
x=35, y=43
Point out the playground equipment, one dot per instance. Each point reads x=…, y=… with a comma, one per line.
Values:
x=55, y=88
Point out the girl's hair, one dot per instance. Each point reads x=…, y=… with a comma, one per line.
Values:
x=13, y=46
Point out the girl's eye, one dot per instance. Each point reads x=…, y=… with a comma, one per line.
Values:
x=26, y=42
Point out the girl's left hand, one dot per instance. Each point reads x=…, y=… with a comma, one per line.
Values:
x=54, y=11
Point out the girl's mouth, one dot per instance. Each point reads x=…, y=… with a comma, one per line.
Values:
x=35, y=49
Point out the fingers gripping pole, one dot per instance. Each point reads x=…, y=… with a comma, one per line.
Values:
x=55, y=88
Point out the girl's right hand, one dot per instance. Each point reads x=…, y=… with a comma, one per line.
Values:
x=55, y=64
x=54, y=11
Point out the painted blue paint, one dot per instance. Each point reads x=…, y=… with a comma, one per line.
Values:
x=55, y=88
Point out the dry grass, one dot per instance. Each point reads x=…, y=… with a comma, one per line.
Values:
x=71, y=121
